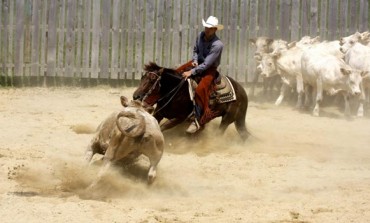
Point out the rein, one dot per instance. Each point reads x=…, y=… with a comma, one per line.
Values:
x=172, y=93
x=177, y=88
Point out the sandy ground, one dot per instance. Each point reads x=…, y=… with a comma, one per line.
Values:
x=295, y=168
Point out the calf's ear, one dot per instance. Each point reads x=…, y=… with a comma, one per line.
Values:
x=149, y=109
x=345, y=71
x=316, y=39
x=276, y=54
x=269, y=41
x=365, y=74
x=252, y=41
x=292, y=44
x=124, y=101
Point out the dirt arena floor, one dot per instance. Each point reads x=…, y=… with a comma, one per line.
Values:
x=295, y=167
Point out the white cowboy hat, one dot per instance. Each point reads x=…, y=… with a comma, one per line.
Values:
x=212, y=22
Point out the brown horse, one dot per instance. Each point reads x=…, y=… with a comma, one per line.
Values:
x=167, y=89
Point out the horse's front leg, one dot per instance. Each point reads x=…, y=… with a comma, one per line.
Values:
x=170, y=123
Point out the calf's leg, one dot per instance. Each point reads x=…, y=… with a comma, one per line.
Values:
x=153, y=149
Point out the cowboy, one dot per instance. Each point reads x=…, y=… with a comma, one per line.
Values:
x=206, y=58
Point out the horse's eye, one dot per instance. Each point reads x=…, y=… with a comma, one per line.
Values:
x=153, y=77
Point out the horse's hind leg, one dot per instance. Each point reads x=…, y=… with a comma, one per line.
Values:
x=225, y=122
x=242, y=129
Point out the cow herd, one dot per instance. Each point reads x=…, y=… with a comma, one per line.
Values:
x=311, y=67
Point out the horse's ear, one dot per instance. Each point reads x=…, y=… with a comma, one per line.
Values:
x=151, y=66
x=160, y=71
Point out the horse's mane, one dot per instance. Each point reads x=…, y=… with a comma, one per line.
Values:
x=152, y=66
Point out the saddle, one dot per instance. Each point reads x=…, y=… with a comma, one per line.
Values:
x=224, y=90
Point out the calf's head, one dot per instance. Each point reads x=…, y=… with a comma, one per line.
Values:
x=354, y=79
x=262, y=45
x=267, y=67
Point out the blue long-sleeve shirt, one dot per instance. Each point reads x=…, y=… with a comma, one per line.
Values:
x=206, y=53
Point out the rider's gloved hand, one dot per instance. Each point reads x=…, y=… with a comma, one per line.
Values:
x=186, y=74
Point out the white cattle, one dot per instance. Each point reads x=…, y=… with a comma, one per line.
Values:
x=326, y=72
x=358, y=57
x=264, y=45
x=347, y=42
x=129, y=132
x=286, y=61
x=287, y=64
x=330, y=47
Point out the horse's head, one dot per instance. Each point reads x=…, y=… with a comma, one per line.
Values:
x=149, y=87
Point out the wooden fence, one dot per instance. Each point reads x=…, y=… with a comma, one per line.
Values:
x=99, y=40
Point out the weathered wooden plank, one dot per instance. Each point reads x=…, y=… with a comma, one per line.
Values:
x=5, y=36
x=252, y=34
x=353, y=17
x=343, y=24
x=86, y=39
x=333, y=20
x=201, y=15
x=167, y=34
x=185, y=53
x=95, y=50
x=1, y=31
x=323, y=19
x=209, y=8
x=27, y=43
x=295, y=24
x=52, y=39
x=195, y=27
x=35, y=38
x=363, y=15
x=140, y=26
x=148, y=28
x=262, y=18
x=19, y=38
x=43, y=40
x=218, y=13
x=123, y=27
x=61, y=38
x=272, y=19
x=115, y=39
x=314, y=18
x=11, y=39
x=79, y=38
x=225, y=20
x=131, y=32
x=27, y=35
x=285, y=16
x=105, y=36
x=305, y=18
x=2, y=57
x=243, y=43
x=176, y=47
x=233, y=42
x=160, y=18
x=70, y=38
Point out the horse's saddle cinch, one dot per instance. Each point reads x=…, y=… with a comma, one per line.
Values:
x=224, y=90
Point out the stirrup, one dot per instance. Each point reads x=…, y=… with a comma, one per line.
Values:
x=194, y=127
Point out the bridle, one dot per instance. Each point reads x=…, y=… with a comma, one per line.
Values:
x=172, y=93
x=147, y=94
